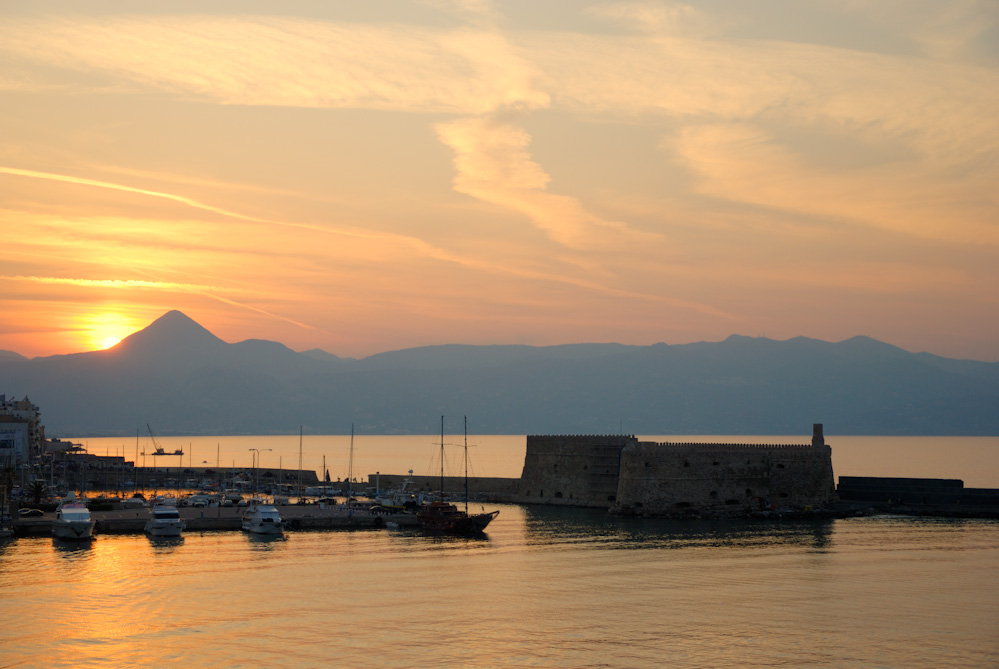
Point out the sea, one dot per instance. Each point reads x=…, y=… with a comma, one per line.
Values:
x=543, y=587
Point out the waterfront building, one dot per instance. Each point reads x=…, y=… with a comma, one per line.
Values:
x=22, y=435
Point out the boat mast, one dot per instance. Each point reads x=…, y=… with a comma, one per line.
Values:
x=299, y=460
x=350, y=468
x=442, y=458
x=466, y=465
x=138, y=477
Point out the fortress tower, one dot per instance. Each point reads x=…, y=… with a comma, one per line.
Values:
x=649, y=478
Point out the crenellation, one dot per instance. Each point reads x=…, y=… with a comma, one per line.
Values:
x=701, y=444
x=580, y=436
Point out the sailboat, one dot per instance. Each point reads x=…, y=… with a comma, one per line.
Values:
x=446, y=517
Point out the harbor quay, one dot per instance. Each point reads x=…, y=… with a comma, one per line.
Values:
x=297, y=517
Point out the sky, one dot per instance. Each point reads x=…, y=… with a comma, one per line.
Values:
x=371, y=176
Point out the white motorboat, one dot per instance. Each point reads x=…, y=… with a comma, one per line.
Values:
x=73, y=522
x=134, y=503
x=262, y=518
x=403, y=499
x=165, y=521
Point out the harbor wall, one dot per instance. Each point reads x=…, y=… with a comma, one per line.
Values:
x=912, y=492
x=498, y=489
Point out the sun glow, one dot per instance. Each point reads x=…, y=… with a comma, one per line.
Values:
x=110, y=341
x=104, y=330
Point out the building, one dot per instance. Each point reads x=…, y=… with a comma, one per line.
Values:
x=22, y=435
x=634, y=477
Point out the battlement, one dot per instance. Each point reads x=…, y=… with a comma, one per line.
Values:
x=697, y=444
x=582, y=437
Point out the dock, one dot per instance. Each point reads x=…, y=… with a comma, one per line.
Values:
x=297, y=517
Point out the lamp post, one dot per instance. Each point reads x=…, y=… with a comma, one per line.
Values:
x=256, y=466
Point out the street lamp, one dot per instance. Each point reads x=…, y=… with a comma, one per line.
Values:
x=256, y=466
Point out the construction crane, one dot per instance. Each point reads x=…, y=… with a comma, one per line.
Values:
x=159, y=450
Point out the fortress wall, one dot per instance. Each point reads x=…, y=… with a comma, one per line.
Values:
x=665, y=478
x=572, y=470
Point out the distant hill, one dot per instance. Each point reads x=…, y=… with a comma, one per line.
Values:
x=183, y=380
x=10, y=356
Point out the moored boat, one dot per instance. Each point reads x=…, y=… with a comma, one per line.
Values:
x=442, y=516
x=446, y=517
x=403, y=499
x=261, y=518
x=73, y=522
x=165, y=521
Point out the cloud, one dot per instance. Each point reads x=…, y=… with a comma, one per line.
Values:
x=117, y=283
x=942, y=107
x=944, y=111
x=959, y=30
x=285, y=62
x=217, y=293
x=659, y=18
x=382, y=240
x=493, y=165
x=740, y=162
x=128, y=189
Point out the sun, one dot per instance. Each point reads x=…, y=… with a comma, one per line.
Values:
x=110, y=341
x=105, y=329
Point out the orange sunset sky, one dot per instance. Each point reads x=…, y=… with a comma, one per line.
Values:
x=369, y=176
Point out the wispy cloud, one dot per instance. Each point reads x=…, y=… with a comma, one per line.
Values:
x=276, y=61
x=218, y=293
x=727, y=160
x=493, y=164
x=944, y=111
x=658, y=18
x=411, y=243
x=960, y=30
x=118, y=283
x=142, y=191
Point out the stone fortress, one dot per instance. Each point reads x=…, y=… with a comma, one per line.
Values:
x=632, y=477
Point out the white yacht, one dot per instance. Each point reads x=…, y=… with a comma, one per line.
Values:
x=165, y=521
x=73, y=522
x=262, y=518
x=403, y=499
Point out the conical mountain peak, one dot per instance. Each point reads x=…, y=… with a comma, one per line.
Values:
x=174, y=331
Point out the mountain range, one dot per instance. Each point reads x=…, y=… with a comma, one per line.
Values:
x=183, y=380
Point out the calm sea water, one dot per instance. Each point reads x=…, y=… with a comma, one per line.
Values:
x=545, y=587
x=973, y=459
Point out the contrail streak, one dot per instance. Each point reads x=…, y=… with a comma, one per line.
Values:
x=151, y=193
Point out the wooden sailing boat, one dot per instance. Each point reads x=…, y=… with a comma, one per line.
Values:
x=446, y=517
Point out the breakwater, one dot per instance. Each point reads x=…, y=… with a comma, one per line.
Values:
x=918, y=496
x=485, y=488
